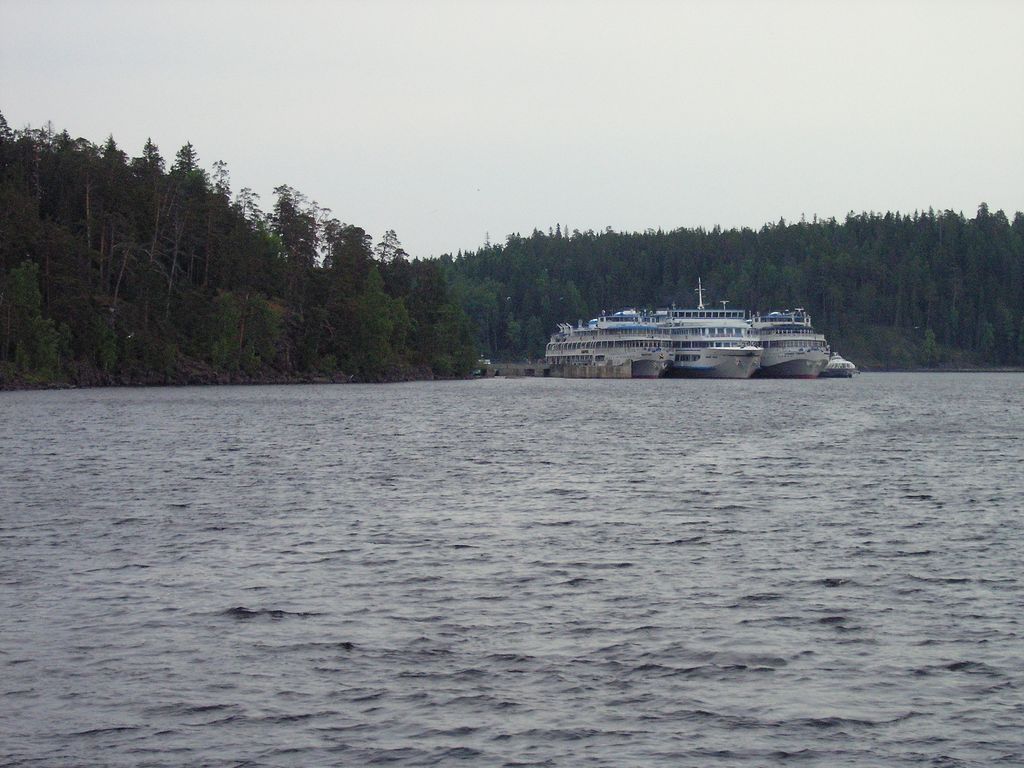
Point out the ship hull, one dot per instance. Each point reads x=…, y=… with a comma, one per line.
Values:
x=794, y=368
x=717, y=364
x=838, y=368
x=648, y=368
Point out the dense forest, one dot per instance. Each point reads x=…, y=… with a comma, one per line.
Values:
x=928, y=290
x=117, y=269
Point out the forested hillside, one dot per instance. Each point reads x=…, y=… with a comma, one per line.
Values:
x=118, y=269
x=922, y=290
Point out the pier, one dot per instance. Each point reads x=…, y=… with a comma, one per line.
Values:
x=543, y=369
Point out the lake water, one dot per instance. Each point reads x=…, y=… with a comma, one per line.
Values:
x=514, y=572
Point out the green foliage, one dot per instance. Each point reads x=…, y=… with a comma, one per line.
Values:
x=930, y=352
x=263, y=329
x=104, y=342
x=328, y=364
x=37, y=343
x=875, y=284
x=225, y=344
x=40, y=350
x=116, y=268
x=454, y=352
x=374, y=325
x=244, y=332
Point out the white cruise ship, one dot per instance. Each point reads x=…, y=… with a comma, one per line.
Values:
x=626, y=337
x=710, y=343
x=792, y=348
x=700, y=342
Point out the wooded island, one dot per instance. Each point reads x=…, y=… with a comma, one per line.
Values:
x=119, y=270
x=922, y=291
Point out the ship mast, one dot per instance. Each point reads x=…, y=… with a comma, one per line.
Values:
x=700, y=295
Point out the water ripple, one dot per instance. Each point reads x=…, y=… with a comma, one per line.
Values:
x=515, y=573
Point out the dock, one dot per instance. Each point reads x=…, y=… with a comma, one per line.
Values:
x=542, y=369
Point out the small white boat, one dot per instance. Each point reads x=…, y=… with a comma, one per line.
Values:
x=839, y=368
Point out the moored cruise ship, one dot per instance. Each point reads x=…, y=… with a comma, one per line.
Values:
x=792, y=348
x=627, y=337
x=701, y=342
x=710, y=343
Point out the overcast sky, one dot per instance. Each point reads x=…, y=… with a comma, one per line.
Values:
x=450, y=121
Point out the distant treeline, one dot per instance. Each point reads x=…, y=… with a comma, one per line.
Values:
x=116, y=269
x=923, y=290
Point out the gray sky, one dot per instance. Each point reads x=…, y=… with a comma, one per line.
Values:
x=447, y=120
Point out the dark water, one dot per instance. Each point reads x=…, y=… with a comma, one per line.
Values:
x=515, y=572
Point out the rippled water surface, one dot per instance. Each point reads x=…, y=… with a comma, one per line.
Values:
x=515, y=572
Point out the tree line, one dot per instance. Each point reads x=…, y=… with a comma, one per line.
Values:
x=889, y=290
x=118, y=269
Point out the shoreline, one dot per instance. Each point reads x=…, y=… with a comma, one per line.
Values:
x=994, y=369
x=225, y=380
x=247, y=381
